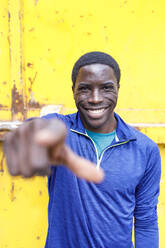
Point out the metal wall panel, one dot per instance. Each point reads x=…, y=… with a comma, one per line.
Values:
x=39, y=43
x=5, y=90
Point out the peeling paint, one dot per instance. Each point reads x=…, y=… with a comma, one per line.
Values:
x=31, y=30
x=138, y=128
x=32, y=79
x=123, y=3
x=17, y=101
x=12, y=196
x=29, y=65
x=3, y=106
x=32, y=102
x=9, y=16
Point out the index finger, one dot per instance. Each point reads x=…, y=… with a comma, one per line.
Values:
x=82, y=167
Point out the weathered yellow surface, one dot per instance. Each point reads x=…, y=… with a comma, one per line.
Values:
x=39, y=43
x=5, y=90
x=23, y=210
x=16, y=49
x=161, y=206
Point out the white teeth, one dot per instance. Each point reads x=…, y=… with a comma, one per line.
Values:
x=96, y=111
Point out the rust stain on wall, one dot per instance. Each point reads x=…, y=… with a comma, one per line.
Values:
x=32, y=79
x=12, y=196
x=32, y=102
x=8, y=16
x=123, y=3
x=138, y=128
x=29, y=65
x=31, y=30
x=3, y=106
x=17, y=101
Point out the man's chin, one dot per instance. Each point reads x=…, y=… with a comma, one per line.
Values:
x=94, y=125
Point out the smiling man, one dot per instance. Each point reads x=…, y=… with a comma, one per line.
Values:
x=95, y=93
x=80, y=213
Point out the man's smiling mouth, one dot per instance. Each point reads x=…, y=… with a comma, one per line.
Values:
x=96, y=111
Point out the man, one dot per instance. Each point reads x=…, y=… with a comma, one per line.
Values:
x=85, y=214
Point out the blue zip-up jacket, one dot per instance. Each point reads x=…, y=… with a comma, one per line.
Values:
x=83, y=214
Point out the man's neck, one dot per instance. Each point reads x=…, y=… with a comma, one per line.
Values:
x=110, y=127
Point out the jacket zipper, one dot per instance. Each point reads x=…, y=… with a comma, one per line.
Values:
x=99, y=159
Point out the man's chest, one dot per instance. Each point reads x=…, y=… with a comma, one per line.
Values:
x=123, y=163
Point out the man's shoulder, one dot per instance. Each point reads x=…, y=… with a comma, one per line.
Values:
x=67, y=119
x=141, y=139
x=133, y=133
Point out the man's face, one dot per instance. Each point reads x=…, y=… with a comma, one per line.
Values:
x=95, y=93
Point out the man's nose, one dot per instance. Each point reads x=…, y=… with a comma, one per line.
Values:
x=95, y=96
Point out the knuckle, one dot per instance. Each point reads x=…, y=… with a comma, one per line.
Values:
x=27, y=173
x=13, y=171
x=57, y=125
x=39, y=123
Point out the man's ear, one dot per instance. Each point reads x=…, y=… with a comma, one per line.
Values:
x=73, y=90
x=73, y=87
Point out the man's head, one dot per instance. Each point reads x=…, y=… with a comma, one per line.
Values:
x=96, y=79
x=95, y=58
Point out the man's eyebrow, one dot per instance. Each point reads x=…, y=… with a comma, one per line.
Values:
x=83, y=84
x=109, y=82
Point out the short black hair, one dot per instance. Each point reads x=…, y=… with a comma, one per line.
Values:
x=95, y=58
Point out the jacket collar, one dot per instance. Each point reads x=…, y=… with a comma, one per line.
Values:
x=123, y=131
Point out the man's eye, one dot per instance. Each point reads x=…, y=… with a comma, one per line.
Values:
x=108, y=87
x=83, y=88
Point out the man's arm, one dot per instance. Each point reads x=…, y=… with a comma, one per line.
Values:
x=33, y=147
x=147, y=192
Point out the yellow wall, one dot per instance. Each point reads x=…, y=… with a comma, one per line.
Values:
x=39, y=42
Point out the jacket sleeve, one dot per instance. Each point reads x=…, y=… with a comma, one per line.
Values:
x=145, y=214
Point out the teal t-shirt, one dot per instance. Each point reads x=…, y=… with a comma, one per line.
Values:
x=101, y=140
